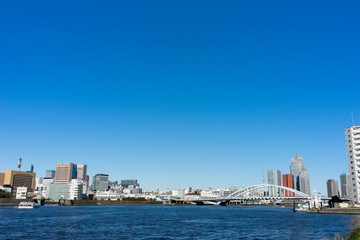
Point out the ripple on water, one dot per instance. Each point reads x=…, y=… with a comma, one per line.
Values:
x=164, y=222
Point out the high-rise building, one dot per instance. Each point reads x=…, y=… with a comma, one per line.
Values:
x=352, y=137
x=50, y=173
x=288, y=181
x=332, y=188
x=100, y=182
x=304, y=182
x=300, y=175
x=65, y=172
x=274, y=178
x=81, y=171
x=344, y=185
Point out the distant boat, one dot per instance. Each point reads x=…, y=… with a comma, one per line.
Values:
x=301, y=208
x=28, y=205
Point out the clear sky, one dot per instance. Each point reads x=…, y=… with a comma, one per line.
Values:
x=179, y=93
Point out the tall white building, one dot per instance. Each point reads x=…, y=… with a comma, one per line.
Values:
x=352, y=136
x=75, y=189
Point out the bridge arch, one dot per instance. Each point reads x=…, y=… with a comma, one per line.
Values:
x=267, y=188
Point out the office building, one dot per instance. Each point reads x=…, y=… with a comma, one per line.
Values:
x=81, y=171
x=274, y=178
x=300, y=175
x=58, y=191
x=2, y=177
x=344, y=184
x=100, y=182
x=129, y=182
x=288, y=182
x=42, y=186
x=332, y=188
x=352, y=137
x=50, y=173
x=16, y=179
x=65, y=172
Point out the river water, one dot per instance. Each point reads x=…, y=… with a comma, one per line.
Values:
x=169, y=222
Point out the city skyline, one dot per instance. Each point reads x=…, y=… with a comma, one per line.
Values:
x=179, y=95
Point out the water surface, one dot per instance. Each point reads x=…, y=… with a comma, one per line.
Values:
x=168, y=222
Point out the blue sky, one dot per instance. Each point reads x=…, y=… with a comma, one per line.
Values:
x=179, y=93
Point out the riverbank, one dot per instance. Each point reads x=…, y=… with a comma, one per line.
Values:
x=15, y=202
x=351, y=211
x=109, y=203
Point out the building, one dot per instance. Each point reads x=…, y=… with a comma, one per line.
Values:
x=58, y=191
x=332, y=188
x=107, y=195
x=75, y=189
x=179, y=193
x=81, y=170
x=305, y=182
x=100, y=182
x=16, y=179
x=274, y=178
x=50, y=173
x=42, y=186
x=301, y=176
x=288, y=182
x=349, y=186
x=65, y=172
x=138, y=190
x=128, y=182
x=344, y=184
x=352, y=137
x=2, y=177
x=21, y=193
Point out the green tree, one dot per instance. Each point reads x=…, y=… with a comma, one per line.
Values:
x=5, y=194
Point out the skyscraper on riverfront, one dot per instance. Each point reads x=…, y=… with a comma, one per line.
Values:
x=288, y=181
x=352, y=137
x=332, y=188
x=81, y=170
x=300, y=175
x=65, y=172
x=345, y=185
x=274, y=178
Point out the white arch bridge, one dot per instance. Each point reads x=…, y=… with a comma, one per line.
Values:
x=254, y=192
x=267, y=191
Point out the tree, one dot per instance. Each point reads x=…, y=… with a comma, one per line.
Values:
x=5, y=194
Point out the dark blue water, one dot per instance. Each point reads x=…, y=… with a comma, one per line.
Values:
x=168, y=222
